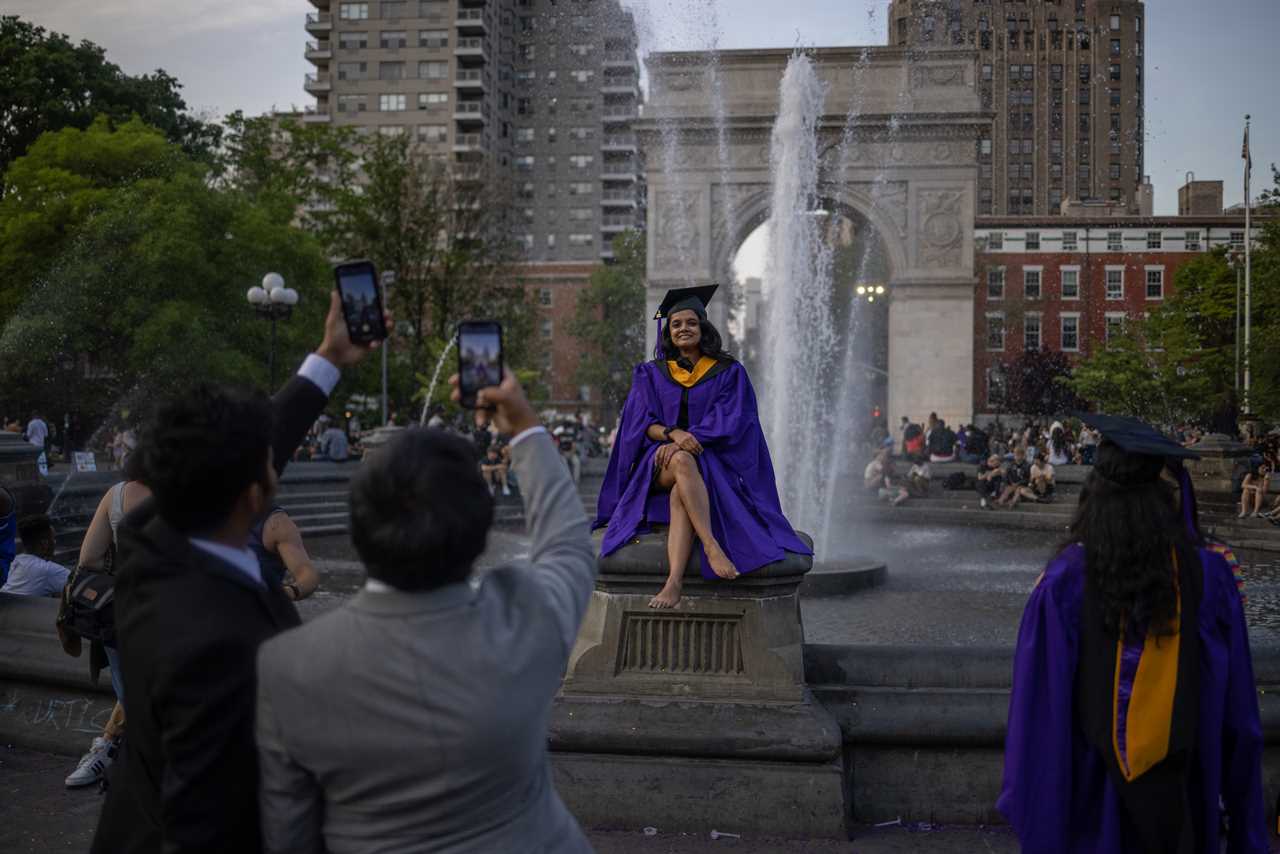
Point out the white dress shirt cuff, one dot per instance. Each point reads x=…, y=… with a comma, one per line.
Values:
x=525, y=434
x=320, y=371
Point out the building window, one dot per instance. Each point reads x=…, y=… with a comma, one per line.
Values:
x=995, y=388
x=1115, y=172
x=1055, y=200
x=551, y=242
x=393, y=8
x=582, y=239
x=995, y=240
x=582, y=75
x=353, y=70
x=580, y=214
x=546, y=327
x=1033, y=237
x=995, y=284
x=393, y=38
x=1071, y=283
x=390, y=70
x=391, y=103
x=353, y=41
x=1070, y=333
x=433, y=70
x=1115, y=283
x=1115, y=327
x=544, y=294
x=986, y=72
x=995, y=332
x=1155, y=283
x=1193, y=241
x=1236, y=240
x=1031, y=283
x=1069, y=242
x=433, y=38
x=1154, y=240
x=525, y=134
x=1115, y=71
x=581, y=161
x=984, y=148
x=1115, y=23
x=524, y=163
x=432, y=133
x=1115, y=47
x=390, y=131
x=353, y=12
x=433, y=100
x=352, y=103
x=1115, y=241
x=581, y=188
x=1031, y=332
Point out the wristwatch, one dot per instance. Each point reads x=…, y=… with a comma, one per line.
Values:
x=293, y=588
x=666, y=433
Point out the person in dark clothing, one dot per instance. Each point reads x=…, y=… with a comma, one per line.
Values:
x=192, y=606
x=990, y=481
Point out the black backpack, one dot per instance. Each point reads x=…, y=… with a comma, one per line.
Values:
x=88, y=608
x=958, y=480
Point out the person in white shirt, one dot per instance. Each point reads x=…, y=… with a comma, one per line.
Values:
x=34, y=573
x=37, y=434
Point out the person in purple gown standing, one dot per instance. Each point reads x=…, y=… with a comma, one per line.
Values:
x=1133, y=721
x=690, y=455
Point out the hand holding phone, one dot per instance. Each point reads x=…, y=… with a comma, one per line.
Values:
x=480, y=363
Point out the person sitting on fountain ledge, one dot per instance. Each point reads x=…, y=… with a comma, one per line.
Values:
x=690, y=454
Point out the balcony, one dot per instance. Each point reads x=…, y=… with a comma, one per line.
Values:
x=619, y=113
x=321, y=82
x=316, y=115
x=470, y=79
x=319, y=51
x=322, y=5
x=619, y=142
x=620, y=59
x=319, y=23
x=467, y=142
x=619, y=170
x=613, y=223
x=620, y=85
x=472, y=20
x=468, y=173
x=472, y=47
x=470, y=111
x=618, y=198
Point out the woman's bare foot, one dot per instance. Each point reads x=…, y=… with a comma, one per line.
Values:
x=669, y=596
x=721, y=565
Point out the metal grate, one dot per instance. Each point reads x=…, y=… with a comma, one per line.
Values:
x=671, y=643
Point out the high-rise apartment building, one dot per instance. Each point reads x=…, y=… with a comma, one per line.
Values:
x=528, y=91
x=1064, y=78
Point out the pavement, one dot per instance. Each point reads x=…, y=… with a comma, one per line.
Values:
x=38, y=814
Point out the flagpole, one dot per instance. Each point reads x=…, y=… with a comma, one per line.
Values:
x=1248, y=263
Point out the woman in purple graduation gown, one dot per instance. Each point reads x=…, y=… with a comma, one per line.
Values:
x=690, y=454
x=1134, y=712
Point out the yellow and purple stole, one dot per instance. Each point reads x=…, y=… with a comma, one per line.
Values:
x=689, y=379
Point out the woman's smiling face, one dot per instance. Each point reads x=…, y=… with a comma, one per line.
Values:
x=686, y=331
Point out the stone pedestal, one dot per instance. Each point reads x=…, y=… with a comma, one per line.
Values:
x=1212, y=473
x=697, y=717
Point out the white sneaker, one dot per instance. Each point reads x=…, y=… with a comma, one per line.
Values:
x=94, y=764
x=506, y=490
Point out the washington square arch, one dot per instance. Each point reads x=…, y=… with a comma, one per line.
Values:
x=908, y=171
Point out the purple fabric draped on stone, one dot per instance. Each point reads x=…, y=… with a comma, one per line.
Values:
x=746, y=515
x=1057, y=793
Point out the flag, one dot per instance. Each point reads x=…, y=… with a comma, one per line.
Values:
x=1246, y=155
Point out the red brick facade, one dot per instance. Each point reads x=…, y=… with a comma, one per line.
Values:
x=1082, y=276
x=555, y=289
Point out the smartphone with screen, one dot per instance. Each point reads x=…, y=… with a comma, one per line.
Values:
x=479, y=358
x=361, y=301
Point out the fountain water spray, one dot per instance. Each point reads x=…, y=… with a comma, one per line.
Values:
x=435, y=378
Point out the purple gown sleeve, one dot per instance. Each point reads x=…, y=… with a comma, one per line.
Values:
x=638, y=413
x=730, y=414
x=1241, y=736
x=1036, y=793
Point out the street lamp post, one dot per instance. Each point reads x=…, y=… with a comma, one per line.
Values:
x=275, y=302
x=1233, y=258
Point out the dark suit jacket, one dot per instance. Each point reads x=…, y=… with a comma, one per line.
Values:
x=189, y=626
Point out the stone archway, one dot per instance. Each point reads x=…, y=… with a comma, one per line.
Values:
x=910, y=170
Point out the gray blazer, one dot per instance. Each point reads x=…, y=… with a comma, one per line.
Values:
x=418, y=721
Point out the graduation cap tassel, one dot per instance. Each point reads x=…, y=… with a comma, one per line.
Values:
x=657, y=346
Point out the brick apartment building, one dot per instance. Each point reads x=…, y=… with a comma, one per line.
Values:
x=556, y=287
x=1068, y=283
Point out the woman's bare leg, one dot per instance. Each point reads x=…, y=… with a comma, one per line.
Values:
x=682, y=470
x=115, y=724
x=679, y=547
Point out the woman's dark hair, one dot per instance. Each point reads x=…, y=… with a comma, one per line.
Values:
x=201, y=451
x=711, y=344
x=1129, y=524
x=420, y=510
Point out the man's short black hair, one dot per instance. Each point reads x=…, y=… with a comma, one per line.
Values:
x=420, y=510
x=34, y=530
x=201, y=450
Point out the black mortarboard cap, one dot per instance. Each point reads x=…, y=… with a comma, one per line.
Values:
x=685, y=299
x=1137, y=437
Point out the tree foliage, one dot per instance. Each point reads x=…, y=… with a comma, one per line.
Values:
x=48, y=83
x=609, y=321
x=1035, y=384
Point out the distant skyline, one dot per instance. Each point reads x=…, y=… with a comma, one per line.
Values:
x=1208, y=64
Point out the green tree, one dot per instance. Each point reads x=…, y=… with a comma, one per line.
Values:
x=608, y=321
x=1130, y=378
x=48, y=83
x=146, y=289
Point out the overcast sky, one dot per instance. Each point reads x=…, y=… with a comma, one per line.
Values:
x=1208, y=61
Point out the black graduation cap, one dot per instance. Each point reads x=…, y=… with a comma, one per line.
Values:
x=1137, y=437
x=686, y=299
